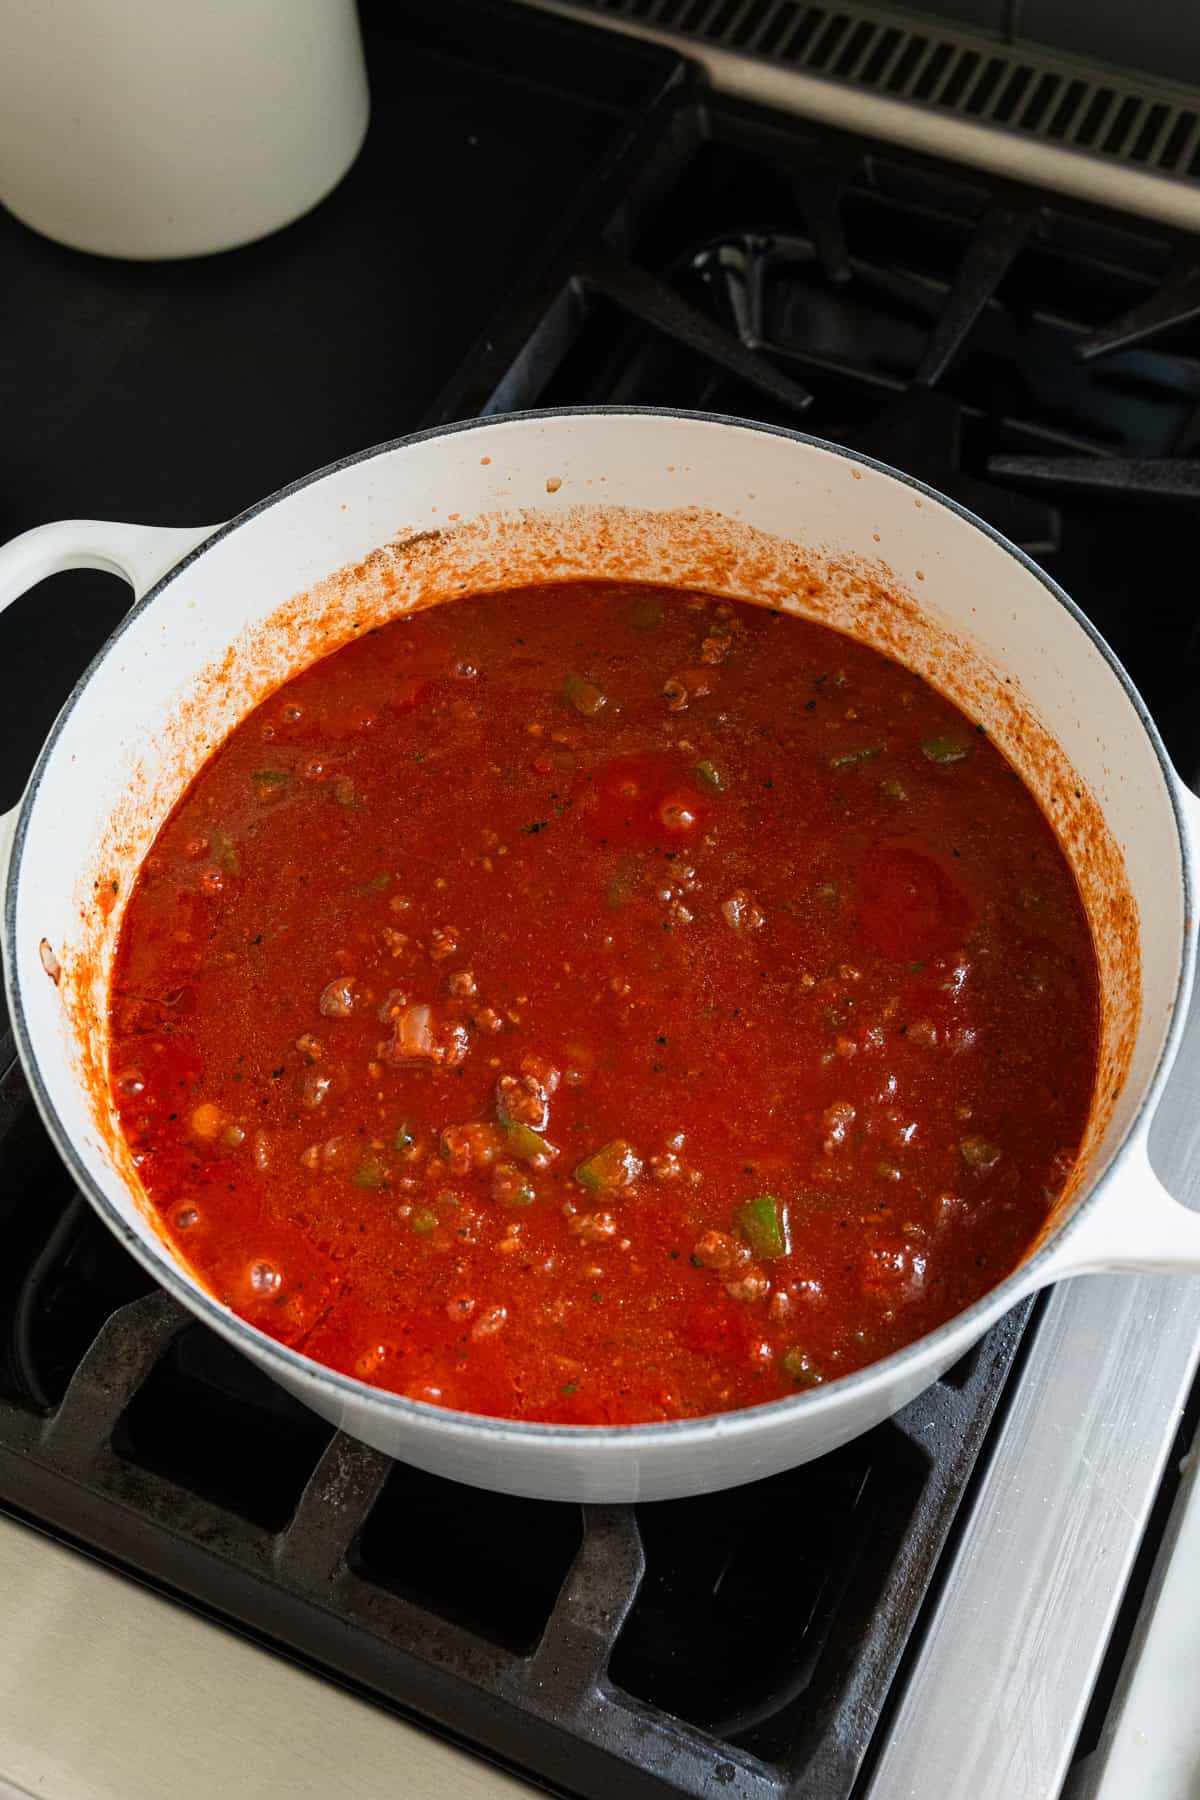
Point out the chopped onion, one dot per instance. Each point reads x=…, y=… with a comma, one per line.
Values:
x=412, y=1035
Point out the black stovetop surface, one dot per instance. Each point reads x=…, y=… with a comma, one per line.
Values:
x=546, y=215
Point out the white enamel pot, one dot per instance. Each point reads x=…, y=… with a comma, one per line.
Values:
x=224, y=613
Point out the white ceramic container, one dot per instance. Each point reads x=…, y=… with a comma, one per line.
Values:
x=225, y=613
x=179, y=127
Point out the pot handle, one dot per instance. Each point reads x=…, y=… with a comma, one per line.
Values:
x=140, y=554
x=1134, y=1224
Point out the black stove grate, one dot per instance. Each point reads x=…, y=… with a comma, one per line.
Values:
x=743, y=1641
x=1038, y=359
x=1016, y=352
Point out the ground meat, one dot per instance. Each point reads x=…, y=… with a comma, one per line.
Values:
x=522, y=1100
x=593, y=1228
x=338, y=997
x=717, y=1250
x=753, y=1285
x=490, y=1322
x=466, y=1148
x=742, y=912
x=541, y=1069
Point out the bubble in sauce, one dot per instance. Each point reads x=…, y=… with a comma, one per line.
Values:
x=370, y=1361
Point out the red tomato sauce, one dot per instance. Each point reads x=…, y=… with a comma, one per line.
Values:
x=603, y=1004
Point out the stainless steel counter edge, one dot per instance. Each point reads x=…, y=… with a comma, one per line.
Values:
x=109, y=1691
x=995, y=1699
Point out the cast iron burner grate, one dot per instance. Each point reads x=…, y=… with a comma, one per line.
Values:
x=1037, y=359
x=746, y=1640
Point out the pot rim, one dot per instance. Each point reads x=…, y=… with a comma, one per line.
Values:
x=292, y=1366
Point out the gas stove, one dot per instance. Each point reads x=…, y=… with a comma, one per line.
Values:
x=546, y=214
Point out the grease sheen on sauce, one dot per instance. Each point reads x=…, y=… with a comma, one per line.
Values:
x=603, y=1004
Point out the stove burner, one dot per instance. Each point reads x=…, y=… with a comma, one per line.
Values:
x=601, y=271
x=941, y=327
x=919, y=431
